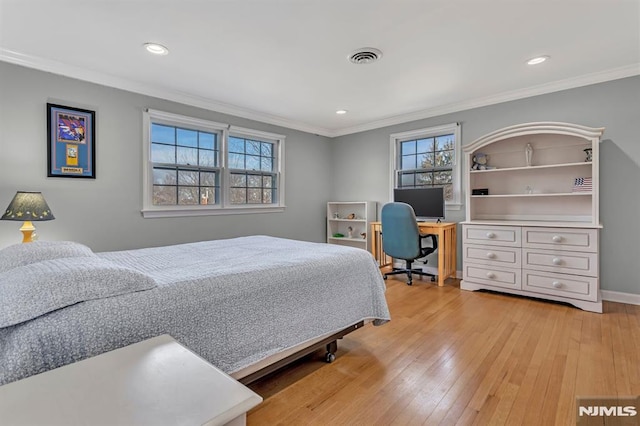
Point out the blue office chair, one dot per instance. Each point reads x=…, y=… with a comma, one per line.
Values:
x=401, y=239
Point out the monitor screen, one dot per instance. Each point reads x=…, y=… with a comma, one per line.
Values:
x=427, y=203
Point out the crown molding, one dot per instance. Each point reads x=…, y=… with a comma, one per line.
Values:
x=97, y=77
x=556, y=86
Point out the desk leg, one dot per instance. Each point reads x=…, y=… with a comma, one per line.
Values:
x=442, y=249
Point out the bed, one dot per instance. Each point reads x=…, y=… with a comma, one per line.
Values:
x=244, y=304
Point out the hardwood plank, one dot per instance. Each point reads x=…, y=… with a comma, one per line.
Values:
x=455, y=357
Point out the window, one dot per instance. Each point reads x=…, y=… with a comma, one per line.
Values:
x=428, y=157
x=199, y=167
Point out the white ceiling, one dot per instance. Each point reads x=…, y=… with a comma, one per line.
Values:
x=285, y=61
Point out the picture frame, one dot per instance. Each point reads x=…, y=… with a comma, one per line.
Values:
x=71, y=142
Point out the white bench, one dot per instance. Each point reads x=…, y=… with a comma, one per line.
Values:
x=154, y=382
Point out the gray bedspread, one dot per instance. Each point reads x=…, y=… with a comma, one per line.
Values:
x=234, y=302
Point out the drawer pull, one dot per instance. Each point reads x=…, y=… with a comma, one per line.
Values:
x=491, y=255
x=491, y=235
x=556, y=284
x=491, y=275
x=557, y=261
x=556, y=238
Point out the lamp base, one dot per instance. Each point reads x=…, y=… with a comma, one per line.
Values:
x=28, y=231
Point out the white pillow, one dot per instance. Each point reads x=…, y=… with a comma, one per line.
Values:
x=37, y=251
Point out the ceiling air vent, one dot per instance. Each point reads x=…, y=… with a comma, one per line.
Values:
x=366, y=55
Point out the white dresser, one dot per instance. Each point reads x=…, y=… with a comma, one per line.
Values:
x=536, y=231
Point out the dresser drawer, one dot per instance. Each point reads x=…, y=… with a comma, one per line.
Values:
x=565, y=262
x=492, y=255
x=573, y=286
x=491, y=275
x=576, y=239
x=491, y=235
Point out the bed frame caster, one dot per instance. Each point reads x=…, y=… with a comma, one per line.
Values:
x=330, y=356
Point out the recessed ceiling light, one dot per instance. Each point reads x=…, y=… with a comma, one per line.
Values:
x=341, y=111
x=156, y=49
x=537, y=60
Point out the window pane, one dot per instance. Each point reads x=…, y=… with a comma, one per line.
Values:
x=267, y=149
x=409, y=162
x=254, y=196
x=208, y=195
x=253, y=162
x=440, y=178
x=207, y=179
x=267, y=196
x=236, y=145
x=426, y=161
x=238, y=180
x=253, y=147
x=266, y=164
x=187, y=137
x=207, y=140
x=207, y=158
x=238, y=196
x=188, y=177
x=408, y=147
x=187, y=156
x=444, y=142
x=267, y=181
x=163, y=134
x=254, y=181
x=164, y=195
x=424, y=179
x=164, y=177
x=188, y=195
x=406, y=179
x=448, y=192
x=444, y=158
x=163, y=153
x=236, y=161
x=425, y=145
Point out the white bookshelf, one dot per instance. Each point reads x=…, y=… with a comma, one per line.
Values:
x=533, y=234
x=339, y=221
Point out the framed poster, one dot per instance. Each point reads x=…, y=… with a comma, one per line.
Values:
x=71, y=142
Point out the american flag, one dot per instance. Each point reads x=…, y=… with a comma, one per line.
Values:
x=582, y=184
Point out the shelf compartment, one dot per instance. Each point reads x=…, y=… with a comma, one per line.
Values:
x=532, y=168
x=553, y=194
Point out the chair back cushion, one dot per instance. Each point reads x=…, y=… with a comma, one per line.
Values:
x=400, y=234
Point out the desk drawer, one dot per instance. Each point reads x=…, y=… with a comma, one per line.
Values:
x=494, y=276
x=575, y=239
x=492, y=255
x=491, y=235
x=573, y=286
x=567, y=262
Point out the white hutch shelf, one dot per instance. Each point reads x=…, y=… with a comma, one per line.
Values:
x=338, y=222
x=535, y=233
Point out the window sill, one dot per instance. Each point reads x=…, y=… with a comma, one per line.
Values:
x=151, y=213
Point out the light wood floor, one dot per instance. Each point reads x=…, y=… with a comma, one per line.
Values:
x=456, y=357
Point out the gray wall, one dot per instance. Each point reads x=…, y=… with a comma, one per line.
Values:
x=361, y=161
x=105, y=213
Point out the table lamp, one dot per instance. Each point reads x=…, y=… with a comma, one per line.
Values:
x=28, y=206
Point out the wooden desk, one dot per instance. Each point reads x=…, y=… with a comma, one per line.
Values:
x=447, y=246
x=154, y=382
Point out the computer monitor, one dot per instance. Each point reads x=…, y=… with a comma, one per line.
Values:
x=427, y=203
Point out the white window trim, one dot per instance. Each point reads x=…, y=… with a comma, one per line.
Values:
x=149, y=210
x=396, y=138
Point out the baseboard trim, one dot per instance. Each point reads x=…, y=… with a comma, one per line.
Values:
x=617, y=296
